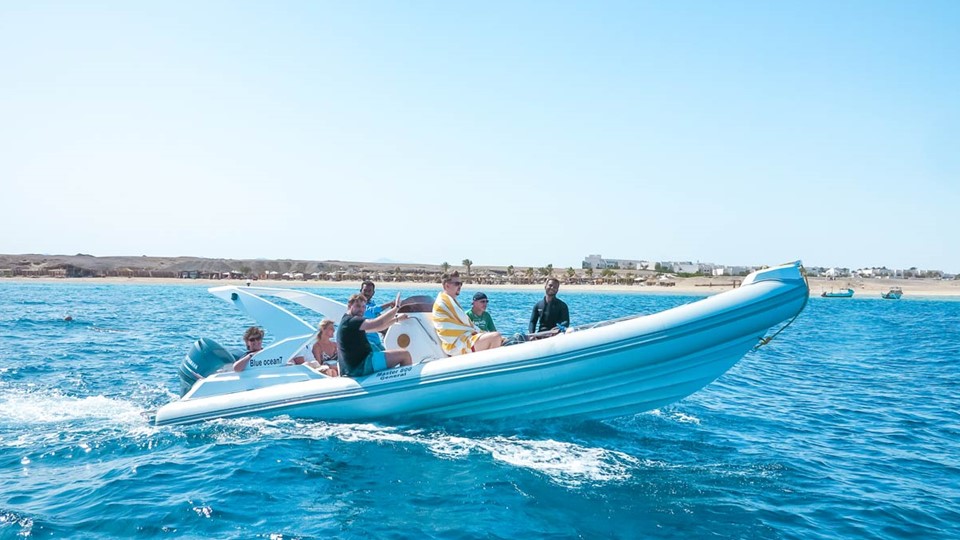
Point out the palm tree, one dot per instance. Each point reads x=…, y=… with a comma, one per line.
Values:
x=590, y=273
x=550, y=269
x=468, y=263
x=529, y=273
x=445, y=266
x=571, y=273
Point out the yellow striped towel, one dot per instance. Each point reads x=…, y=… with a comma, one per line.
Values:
x=456, y=331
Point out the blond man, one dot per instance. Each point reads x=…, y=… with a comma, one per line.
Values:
x=457, y=333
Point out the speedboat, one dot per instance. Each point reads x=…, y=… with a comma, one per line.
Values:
x=602, y=370
x=893, y=294
x=845, y=293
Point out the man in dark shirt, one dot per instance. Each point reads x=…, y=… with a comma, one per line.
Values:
x=353, y=347
x=551, y=311
x=253, y=339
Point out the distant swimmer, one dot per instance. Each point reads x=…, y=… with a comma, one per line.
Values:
x=68, y=318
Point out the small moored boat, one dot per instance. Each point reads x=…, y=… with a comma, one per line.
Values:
x=602, y=370
x=893, y=294
x=845, y=293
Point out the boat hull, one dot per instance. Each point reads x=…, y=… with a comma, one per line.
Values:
x=610, y=370
x=893, y=294
x=847, y=293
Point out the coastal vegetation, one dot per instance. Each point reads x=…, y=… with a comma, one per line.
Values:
x=88, y=266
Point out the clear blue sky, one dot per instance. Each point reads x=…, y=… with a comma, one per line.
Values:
x=524, y=133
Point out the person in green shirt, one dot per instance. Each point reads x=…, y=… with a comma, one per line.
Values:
x=479, y=315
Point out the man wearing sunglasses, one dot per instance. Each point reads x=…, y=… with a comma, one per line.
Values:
x=479, y=315
x=253, y=339
x=457, y=333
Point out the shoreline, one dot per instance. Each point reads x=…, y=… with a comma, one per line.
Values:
x=924, y=288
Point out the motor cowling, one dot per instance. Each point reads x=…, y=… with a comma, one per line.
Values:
x=204, y=358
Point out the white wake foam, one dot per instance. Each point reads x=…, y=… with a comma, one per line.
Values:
x=676, y=416
x=45, y=407
x=564, y=463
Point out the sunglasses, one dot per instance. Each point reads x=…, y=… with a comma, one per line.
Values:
x=255, y=339
x=457, y=283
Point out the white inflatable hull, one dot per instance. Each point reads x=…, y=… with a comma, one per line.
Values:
x=609, y=370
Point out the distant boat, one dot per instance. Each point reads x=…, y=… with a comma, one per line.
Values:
x=846, y=293
x=893, y=294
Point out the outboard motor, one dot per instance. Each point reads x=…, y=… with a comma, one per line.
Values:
x=205, y=358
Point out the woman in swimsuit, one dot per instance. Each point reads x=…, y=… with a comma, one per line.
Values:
x=325, y=350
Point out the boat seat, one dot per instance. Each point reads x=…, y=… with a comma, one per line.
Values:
x=415, y=335
x=416, y=304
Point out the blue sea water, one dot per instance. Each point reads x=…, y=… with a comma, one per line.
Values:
x=847, y=425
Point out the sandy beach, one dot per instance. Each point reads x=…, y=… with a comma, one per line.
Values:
x=34, y=268
x=696, y=285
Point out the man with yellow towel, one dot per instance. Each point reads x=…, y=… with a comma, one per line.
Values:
x=457, y=333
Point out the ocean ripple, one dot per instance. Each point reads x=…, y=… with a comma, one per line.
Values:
x=845, y=425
